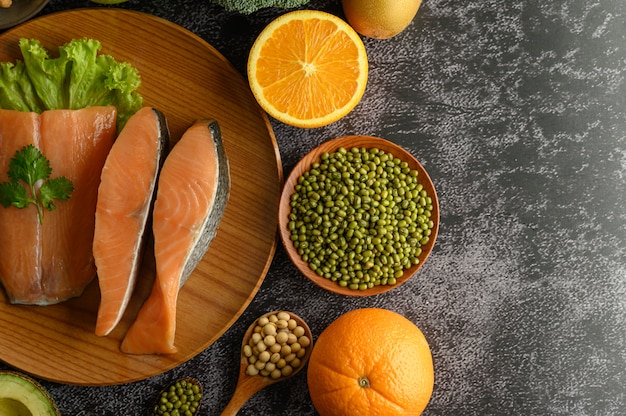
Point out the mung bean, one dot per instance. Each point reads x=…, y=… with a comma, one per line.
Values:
x=373, y=210
x=181, y=398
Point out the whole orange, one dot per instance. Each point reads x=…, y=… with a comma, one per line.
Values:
x=371, y=361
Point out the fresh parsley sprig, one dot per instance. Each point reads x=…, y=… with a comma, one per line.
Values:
x=32, y=168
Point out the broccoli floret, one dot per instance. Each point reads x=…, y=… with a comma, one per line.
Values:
x=251, y=6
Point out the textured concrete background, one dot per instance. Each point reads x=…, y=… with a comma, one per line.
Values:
x=517, y=110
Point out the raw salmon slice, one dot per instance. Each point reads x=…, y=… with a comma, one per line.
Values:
x=50, y=263
x=77, y=143
x=192, y=193
x=125, y=199
x=20, y=231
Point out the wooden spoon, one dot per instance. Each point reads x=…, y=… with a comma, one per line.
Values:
x=248, y=385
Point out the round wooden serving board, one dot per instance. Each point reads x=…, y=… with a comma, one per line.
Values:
x=187, y=79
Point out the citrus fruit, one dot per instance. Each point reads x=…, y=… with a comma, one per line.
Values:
x=380, y=19
x=370, y=361
x=308, y=68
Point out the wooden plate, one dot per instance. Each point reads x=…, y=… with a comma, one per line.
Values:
x=304, y=165
x=187, y=79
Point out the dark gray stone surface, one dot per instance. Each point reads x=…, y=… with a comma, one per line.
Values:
x=517, y=110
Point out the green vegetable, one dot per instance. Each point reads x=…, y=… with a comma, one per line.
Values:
x=16, y=89
x=360, y=217
x=31, y=167
x=79, y=77
x=251, y=6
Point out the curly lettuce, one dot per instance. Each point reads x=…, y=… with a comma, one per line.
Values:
x=79, y=77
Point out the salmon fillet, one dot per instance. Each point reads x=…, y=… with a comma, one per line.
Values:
x=125, y=198
x=60, y=264
x=20, y=231
x=77, y=143
x=191, y=197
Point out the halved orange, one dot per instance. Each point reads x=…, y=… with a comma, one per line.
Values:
x=308, y=68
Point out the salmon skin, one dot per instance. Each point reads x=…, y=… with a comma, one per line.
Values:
x=192, y=194
x=125, y=199
x=48, y=263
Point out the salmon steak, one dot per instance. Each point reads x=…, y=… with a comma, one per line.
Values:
x=192, y=193
x=125, y=199
x=48, y=262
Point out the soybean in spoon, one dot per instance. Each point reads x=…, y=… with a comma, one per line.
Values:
x=275, y=347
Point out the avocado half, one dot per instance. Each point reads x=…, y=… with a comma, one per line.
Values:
x=20, y=395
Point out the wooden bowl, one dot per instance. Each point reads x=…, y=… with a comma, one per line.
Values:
x=304, y=165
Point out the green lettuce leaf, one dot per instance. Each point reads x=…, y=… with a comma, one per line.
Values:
x=16, y=90
x=79, y=77
x=47, y=75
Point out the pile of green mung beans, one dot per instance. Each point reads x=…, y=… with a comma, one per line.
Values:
x=360, y=217
x=182, y=398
